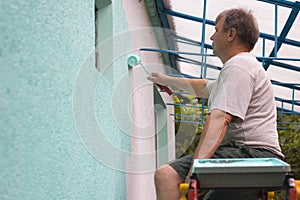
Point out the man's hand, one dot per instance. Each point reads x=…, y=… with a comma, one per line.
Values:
x=159, y=78
x=196, y=87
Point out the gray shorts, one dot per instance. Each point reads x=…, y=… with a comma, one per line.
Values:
x=230, y=150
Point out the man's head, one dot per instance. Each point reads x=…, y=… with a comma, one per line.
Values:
x=244, y=22
x=236, y=30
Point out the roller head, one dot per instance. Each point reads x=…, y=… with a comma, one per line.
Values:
x=133, y=60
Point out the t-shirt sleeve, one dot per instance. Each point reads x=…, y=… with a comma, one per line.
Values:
x=232, y=92
x=209, y=86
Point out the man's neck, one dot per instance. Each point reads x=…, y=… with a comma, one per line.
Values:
x=232, y=52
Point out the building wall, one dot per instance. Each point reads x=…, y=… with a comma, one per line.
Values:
x=43, y=46
x=67, y=129
x=146, y=111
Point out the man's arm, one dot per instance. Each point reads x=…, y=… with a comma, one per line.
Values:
x=212, y=135
x=196, y=87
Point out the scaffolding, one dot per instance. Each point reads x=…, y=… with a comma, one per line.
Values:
x=270, y=44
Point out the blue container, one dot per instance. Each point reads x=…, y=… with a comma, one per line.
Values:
x=241, y=173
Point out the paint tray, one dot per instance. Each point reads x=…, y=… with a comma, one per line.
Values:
x=240, y=172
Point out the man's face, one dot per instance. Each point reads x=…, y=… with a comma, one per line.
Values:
x=219, y=39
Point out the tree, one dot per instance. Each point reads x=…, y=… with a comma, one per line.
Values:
x=289, y=138
x=189, y=125
x=189, y=120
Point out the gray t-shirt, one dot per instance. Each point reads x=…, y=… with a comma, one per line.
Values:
x=244, y=91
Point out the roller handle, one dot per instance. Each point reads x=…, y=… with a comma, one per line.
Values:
x=166, y=89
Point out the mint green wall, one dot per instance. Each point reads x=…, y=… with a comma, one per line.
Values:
x=43, y=45
x=112, y=96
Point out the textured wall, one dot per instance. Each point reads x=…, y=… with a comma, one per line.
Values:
x=143, y=157
x=43, y=45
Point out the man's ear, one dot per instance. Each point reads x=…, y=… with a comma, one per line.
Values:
x=231, y=34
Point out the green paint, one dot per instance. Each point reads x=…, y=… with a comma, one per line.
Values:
x=43, y=45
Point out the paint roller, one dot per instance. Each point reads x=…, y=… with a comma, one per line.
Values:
x=134, y=60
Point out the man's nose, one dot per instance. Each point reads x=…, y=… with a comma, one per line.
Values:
x=212, y=36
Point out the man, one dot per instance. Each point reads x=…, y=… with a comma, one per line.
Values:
x=242, y=119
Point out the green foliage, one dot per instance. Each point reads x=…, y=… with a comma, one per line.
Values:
x=289, y=138
x=189, y=126
x=188, y=123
